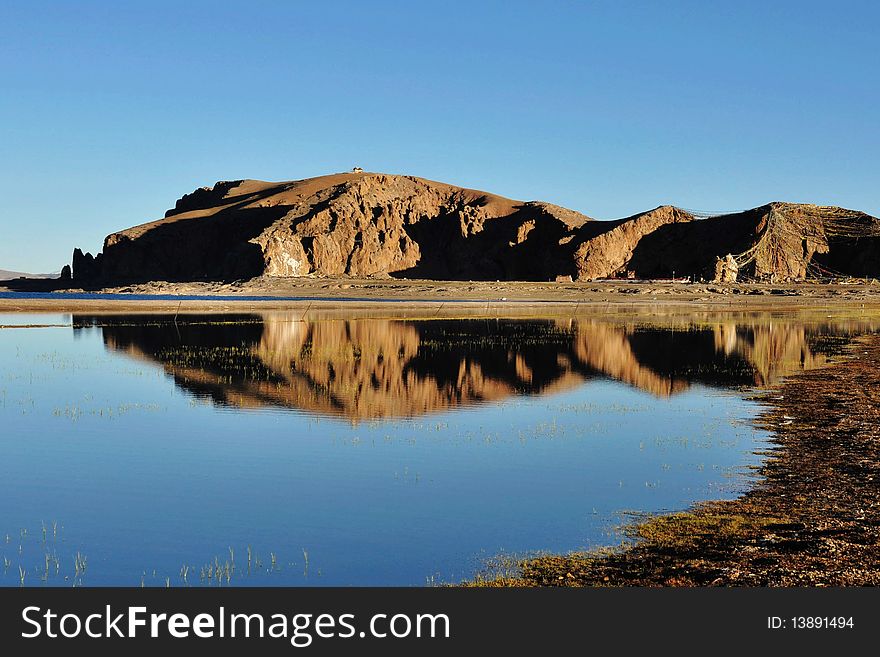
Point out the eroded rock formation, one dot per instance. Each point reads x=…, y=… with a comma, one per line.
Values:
x=606, y=248
x=86, y=267
x=348, y=224
x=378, y=225
x=777, y=241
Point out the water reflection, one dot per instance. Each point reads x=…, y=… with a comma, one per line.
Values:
x=143, y=481
x=375, y=368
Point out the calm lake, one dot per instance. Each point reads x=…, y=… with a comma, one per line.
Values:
x=261, y=449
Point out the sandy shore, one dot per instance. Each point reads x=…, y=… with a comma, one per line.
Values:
x=444, y=296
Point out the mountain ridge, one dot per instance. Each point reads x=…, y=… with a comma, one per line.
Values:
x=363, y=224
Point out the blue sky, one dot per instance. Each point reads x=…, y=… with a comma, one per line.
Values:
x=111, y=111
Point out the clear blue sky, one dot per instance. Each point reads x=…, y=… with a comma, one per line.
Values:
x=110, y=111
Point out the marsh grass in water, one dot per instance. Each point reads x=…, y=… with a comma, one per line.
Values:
x=50, y=561
x=42, y=558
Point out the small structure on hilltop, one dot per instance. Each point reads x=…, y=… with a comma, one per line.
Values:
x=357, y=170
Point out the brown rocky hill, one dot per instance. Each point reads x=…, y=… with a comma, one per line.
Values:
x=378, y=225
x=356, y=224
x=785, y=241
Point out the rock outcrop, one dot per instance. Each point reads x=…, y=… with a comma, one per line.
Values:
x=726, y=269
x=377, y=225
x=86, y=267
x=777, y=241
x=605, y=248
x=356, y=224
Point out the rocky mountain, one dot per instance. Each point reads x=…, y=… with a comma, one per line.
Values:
x=377, y=225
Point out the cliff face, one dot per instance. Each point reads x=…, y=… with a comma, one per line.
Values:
x=605, y=249
x=348, y=224
x=378, y=225
x=782, y=241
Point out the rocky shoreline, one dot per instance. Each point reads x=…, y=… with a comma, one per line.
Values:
x=812, y=520
x=596, y=294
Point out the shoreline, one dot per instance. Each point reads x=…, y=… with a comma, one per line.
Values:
x=811, y=519
x=613, y=297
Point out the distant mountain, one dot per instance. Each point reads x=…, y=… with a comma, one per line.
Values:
x=6, y=275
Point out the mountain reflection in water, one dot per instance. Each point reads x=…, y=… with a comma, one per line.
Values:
x=382, y=368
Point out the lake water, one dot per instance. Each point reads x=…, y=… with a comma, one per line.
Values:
x=260, y=449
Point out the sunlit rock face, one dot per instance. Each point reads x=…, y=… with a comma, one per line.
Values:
x=777, y=241
x=364, y=369
x=355, y=224
x=381, y=225
x=604, y=249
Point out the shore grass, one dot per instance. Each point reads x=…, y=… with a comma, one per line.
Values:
x=813, y=518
